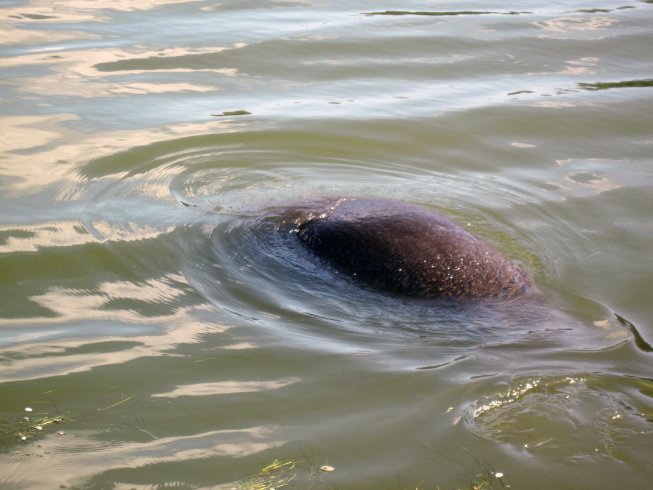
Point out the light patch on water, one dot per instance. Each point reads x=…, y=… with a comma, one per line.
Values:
x=41, y=361
x=382, y=60
x=47, y=354
x=567, y=25
x=582, y=66
x=15, y=36
x=484, y=117
x=83, y=87
x=78, y=73
x=226, y=388
x=561, y=104
x=44, y=14
x=587, y=176
x=121, y=5
x=220, y=6
x=33, y=238
x=82, y=63
x=592, y=180
x=150, y=290
x=125, y=231
x=72, y=303
x=142, y=88
x=80, y=456
x=76, y=11
x=40, y=145
x=24, y=132
x=239, y=346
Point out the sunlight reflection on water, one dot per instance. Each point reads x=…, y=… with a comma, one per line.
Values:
x=149, y=153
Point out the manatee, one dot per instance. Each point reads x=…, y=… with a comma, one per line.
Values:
x=409, y=250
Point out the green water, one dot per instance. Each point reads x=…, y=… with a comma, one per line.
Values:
x=165, y=337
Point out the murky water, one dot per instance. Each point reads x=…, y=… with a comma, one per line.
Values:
x=166, y=331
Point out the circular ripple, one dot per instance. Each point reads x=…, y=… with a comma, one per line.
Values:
x=224, y=208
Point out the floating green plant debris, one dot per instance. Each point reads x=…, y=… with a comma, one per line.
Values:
x=27, y=427
x=626, y=84
x=292, y=474
x=489, y=480
x=303, y=474
x=233, y=113
x=431, y=13
x=278, y=474
x=593, y=11
x=441, y=13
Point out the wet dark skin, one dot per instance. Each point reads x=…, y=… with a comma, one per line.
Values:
x=411, y=251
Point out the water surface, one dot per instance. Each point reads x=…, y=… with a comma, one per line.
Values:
x=152, y=301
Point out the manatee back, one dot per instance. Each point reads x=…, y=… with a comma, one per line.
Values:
x=409, y=250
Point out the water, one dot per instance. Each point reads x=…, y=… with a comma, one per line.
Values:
x=151, y=302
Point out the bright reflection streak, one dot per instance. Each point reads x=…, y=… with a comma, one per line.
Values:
x=57, y=150
x=159, y=88
x=560, y=104
x=24, y=132
x=589, y=176
x=51, y=13
x=59, y=235
x=76, y=304
x=562, y=27
x=31, y=361
x=123, y=5
x=84, y=63
x=11, y=35
x=84, y=74
x=70, y=11
x=226, y=387
x=80, y=457
x=583, y=66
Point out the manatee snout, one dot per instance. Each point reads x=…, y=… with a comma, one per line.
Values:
x=409, y=250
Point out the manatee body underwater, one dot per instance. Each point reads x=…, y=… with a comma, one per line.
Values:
x=409, y=250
